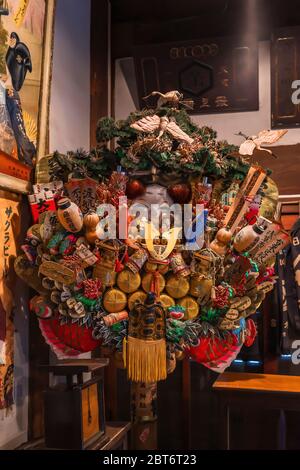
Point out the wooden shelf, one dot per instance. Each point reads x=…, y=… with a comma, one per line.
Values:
x=77, y=366
x=114, y=438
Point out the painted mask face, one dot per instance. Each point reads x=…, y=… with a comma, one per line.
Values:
x=154, y=194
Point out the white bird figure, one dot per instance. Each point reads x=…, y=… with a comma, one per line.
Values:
x=150, y=124
x=263, y=138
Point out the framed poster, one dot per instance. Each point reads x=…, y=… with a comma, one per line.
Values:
x=9, y=233
x=26, y=38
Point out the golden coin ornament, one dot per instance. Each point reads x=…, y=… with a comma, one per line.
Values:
x=166, y=301
x=128, y=281
x=177, y=287
x=138, y=296
x=191, y=307
x=148, y=279
x=114, y=301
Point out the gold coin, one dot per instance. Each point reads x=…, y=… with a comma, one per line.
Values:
x=166, y=300
x=128, y=281
x=191, y=307
x=147, y=281
x=136, y=296
x=177, y=287
x=114, y=301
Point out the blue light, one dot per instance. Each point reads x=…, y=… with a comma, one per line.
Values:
x=286, y=356
x=254, y=363
x=238, y=361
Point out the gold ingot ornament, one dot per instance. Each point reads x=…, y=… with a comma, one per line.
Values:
x=147, y=281
x=138, y=296
x=114, y=301
x=191, y=307
x=128, y=281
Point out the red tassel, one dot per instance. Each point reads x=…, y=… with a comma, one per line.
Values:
x=126, y=257
x=155, y=284
x=118, y=266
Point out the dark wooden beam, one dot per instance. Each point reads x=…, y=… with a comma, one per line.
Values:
x=99, y=63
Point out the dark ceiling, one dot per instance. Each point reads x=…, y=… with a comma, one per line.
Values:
x=136, y=22
x=275, y=12
x=137, y=10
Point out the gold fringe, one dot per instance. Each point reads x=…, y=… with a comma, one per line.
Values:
x=145, y=361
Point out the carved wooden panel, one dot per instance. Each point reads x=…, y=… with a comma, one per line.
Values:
x=285, y=68
x=219, y=74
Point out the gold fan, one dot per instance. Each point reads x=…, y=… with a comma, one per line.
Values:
x=30, y=127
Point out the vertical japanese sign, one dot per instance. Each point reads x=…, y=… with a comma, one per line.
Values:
x=9, y=231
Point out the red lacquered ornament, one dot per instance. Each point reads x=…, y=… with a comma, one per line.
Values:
x=66, y=340
x=180, y=193
x=134, y=189
x=251, y=332
x=212, y=349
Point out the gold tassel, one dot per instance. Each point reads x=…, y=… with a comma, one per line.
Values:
x=145, y=360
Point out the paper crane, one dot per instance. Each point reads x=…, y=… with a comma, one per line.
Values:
x=150, y=124
x=263, y=138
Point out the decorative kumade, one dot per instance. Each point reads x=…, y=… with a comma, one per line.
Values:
x=153, y=297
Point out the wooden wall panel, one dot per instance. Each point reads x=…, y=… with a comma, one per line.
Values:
x=219, y=74
x=285, y=68
x=285, y=168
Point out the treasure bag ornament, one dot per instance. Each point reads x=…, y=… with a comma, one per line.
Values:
x=69, y=339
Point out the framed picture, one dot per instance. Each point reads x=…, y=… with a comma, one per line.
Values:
x=26, y=47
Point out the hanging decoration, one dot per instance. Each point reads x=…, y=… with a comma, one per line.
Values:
x=146, y=295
